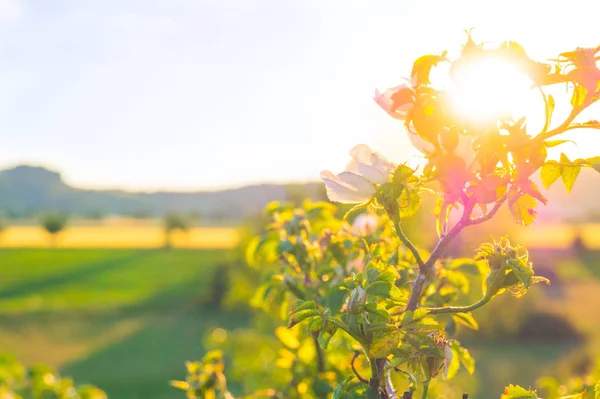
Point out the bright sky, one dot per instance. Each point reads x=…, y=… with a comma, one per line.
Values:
x=203, y=94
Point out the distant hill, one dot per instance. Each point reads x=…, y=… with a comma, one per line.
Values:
x=27, y=190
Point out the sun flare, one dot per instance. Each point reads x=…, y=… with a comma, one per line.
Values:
x=488, y=88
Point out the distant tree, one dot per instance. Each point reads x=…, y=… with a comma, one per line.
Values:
x=54, y=223
x=174, y=221
x=3, y=223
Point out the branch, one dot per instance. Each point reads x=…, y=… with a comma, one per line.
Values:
x=418, y=284
x=411, y=247
x=361, y=379
x=565, y=125
x=320, y=356
x=459, y=309
x=490, y=214
x=389, y=386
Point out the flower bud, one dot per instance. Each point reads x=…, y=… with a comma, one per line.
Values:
x=356, y=301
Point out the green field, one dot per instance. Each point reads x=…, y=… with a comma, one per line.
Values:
x=125, y=320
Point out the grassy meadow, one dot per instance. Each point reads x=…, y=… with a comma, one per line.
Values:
x=125, y=320
x=106, y=308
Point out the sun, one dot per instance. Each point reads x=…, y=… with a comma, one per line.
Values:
x=489, y=88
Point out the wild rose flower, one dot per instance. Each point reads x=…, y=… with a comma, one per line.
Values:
x=365, y=224
x=397, y=101
x=356, y=184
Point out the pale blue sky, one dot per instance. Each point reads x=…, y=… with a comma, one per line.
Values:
x=184, y=94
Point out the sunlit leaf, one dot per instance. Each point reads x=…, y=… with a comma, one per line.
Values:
x=383, y=343
x=597, y=390
x=550, y=105
x=579, y=96
x=385, y=289
x=302, y=305
x=409, y=202
x=517, y=392
x=301, y=316
x=522, y=271
x=569, y=172
x=466, y=319
x=594, y=162
x=550, y=172
x=523, y=209
x=401, y=174
x=422, y=67
x=555, y=143
x=529, y=187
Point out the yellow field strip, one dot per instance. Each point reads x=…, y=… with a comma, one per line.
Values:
x=119, y=237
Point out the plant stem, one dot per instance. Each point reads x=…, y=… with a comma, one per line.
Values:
x=320, y=355
x=560, y=129
x=459, y=309
x=374, y=381
x=407, y=243
x=425, y=390
x=391, y=391
x=419, y=283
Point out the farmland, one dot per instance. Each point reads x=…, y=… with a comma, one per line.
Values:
x=107, y=308
x=118, y=233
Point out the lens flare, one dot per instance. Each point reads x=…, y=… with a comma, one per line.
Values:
x=486, y=89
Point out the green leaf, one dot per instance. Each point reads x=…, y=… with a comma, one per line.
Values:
x=597, y=390
x=301, y=316
x=569, y=172
x=385, y=289
x=522, y=270
x=523, y=209
x=401, y=174
x=466, y=319
x=467, y=360
x=517, y=392
x=324, y=338
x=409, y=202
x=550, y=172
x=422, y=67
x=341, y=387
x=383, y=343
x=377, y=309
x=302, y=305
